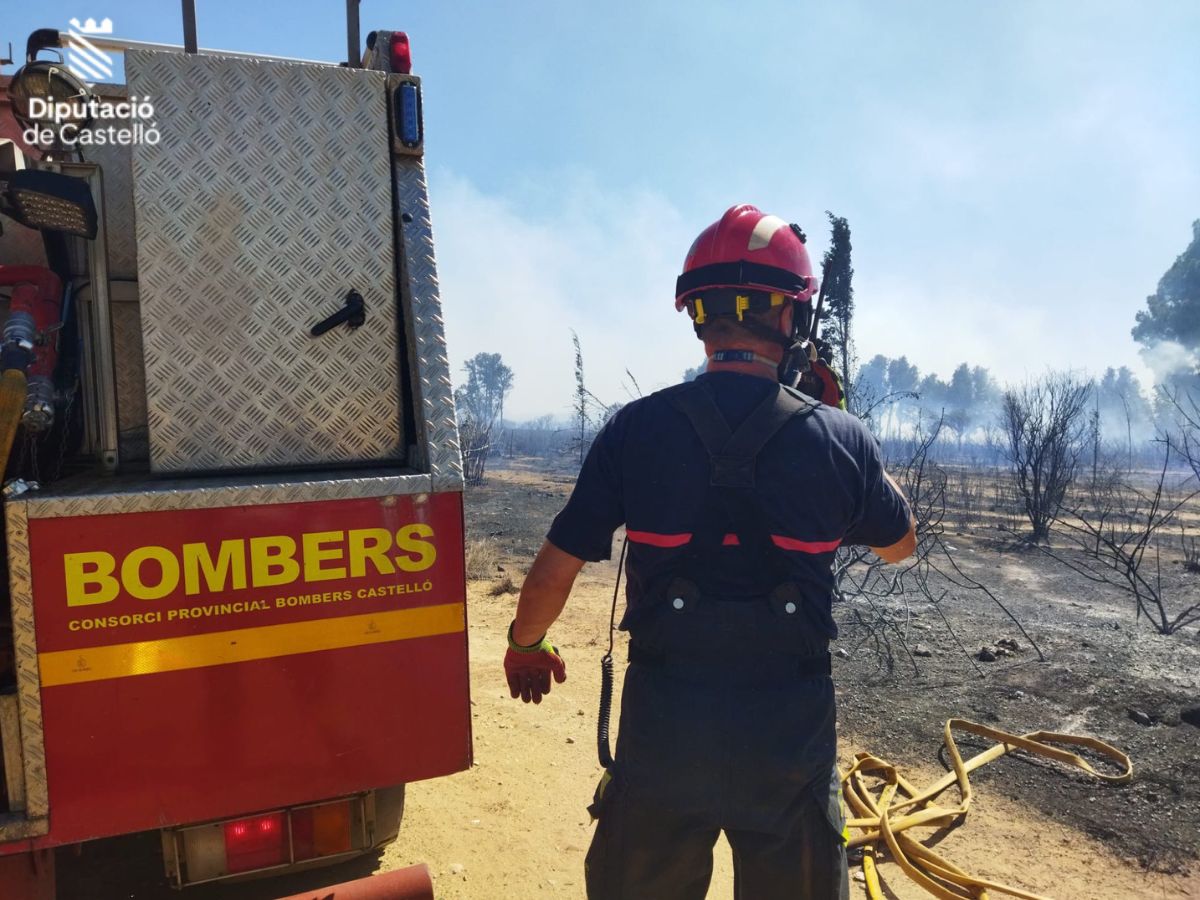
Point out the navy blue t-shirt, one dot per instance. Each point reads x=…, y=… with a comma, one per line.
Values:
x=819, y=481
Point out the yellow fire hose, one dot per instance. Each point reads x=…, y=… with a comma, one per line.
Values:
x=884, y=817
x=12, y=403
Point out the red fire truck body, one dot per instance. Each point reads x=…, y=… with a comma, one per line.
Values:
x=237, y=592
x=263, y=693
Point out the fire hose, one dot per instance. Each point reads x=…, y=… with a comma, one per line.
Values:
x=898, y=805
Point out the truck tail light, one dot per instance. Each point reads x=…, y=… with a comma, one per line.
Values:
x=256, y=843
x=322, y=830
x=269, y=840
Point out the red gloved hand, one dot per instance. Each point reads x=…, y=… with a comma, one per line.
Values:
x=528, y=669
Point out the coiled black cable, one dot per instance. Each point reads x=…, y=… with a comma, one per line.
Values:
x=606, y=672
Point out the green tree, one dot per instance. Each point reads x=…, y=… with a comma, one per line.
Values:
x=902, y=375
x=871, y=391
x=1172, y=312
x=480, y=401
x=960, y=402
x=872, y=380
x=839, y=296
x=987, y=393
x=903, y=380
x=1124, y=412
x=489, y=381
x=933, y=393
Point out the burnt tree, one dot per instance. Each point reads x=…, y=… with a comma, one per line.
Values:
x=1043, y=425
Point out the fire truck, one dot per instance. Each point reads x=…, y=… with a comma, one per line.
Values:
x=235, y=608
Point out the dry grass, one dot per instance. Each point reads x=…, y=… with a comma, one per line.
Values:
x=504, y=586
x=482, y=559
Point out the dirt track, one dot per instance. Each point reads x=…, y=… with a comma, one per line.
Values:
x=515, y=825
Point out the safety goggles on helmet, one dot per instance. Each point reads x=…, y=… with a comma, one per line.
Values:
x=709, y=303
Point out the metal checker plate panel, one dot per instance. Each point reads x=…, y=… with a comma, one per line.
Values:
x=266, y=200
x=29, y=695
x=427, y=326
x=92, y=496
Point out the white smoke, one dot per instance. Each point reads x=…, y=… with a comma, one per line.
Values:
x=1167, y=359
x=518, y=277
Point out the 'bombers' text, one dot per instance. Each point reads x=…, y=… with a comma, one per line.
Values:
x=153, y=572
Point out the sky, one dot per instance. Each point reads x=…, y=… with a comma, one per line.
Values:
x=1017, y=176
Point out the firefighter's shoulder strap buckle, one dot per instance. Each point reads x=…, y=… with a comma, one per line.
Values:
x=731, y=471
x=732, y=454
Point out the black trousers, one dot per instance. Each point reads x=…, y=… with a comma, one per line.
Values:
x=695, y=759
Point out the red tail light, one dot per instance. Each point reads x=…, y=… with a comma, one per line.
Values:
x=269, y=840
x=256, y=843
x=401, y=53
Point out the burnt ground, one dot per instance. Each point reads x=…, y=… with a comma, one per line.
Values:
x=1101, y=668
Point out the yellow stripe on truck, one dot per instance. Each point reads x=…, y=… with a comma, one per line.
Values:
x=242, y=645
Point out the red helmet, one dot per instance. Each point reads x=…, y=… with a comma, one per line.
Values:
x=747, y=249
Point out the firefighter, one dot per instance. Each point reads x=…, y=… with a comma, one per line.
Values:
x=735, y=492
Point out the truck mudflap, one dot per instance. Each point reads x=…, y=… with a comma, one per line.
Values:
x=412, y=883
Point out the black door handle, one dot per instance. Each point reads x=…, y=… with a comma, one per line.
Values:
x=354, y=314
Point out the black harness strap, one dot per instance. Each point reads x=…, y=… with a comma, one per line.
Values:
x=769, y=629
x=743, y=446
x=764, y=422
x=732, y=459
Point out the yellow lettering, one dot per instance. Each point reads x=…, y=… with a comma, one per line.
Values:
x=272, y=560
x=131, y=573
x=229, y=567
x=315, y=554
x=370, y=544
x=89, y=578
x=408, y=539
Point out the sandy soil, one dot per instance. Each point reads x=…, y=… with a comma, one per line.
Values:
x=516, y=825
